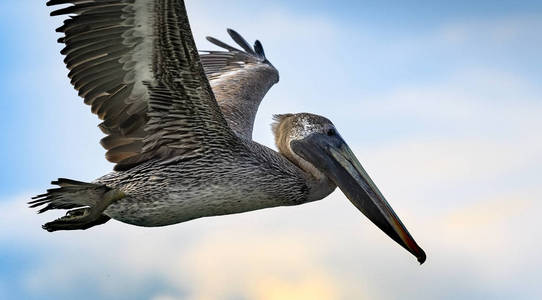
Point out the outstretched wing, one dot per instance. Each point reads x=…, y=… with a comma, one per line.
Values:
x=136, y=64
x=239, y=79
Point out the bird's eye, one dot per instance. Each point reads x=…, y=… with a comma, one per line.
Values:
x=331, y=132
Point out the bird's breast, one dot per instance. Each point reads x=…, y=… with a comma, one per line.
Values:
x=181, y=203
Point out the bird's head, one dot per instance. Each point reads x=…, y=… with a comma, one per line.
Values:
x=313, y=144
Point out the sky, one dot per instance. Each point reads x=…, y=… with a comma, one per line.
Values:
x=440, y=101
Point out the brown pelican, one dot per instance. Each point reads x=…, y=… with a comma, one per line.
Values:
x=179, y=127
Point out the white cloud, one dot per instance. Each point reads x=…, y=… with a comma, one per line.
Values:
x=263, y=265
x=222, y=256
x=431, y=165
x=469, y=95
x=462, y=195
x=325, y=247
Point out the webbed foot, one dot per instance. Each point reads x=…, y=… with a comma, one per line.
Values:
x=77, y=219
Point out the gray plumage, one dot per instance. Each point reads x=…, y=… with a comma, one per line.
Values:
x=136, y=64
x=179, y=127
x=180, y=153
x=240, y=80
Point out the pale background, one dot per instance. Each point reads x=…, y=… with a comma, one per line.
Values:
x=441, y=101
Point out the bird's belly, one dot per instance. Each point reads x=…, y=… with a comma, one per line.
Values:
x=180, y=205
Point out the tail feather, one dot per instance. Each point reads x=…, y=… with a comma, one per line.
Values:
x=71, y=194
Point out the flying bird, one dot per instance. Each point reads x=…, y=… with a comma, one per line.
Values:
x=178, y=126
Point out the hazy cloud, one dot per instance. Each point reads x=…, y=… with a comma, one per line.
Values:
x=447, y=128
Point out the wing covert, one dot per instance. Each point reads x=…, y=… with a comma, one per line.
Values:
x=240, y=79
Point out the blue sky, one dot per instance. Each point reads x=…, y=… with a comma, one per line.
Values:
x=440, y=100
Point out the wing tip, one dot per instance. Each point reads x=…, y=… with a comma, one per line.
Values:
x=221, y=44
x=258, y=47
x=57, y=2
x=257, y=50
x=240, y=40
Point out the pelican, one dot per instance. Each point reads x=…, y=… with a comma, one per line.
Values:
x=178, y=126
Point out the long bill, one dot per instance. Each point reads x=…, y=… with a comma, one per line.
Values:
x=334, y=158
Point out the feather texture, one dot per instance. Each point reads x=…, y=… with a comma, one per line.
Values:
x=240, y=80
x=136, y=64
